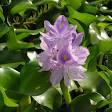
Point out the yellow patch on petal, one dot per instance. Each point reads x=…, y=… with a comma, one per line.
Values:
x=60, y=26
x=65, y=57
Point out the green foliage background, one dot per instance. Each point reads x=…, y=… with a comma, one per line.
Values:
x=23, y=88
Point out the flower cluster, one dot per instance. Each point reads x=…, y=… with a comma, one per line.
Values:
x=62, y=53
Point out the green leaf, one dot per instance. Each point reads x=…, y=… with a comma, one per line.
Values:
x=1, y=101
x=106, y=74
x=90, y=9
x=98, y=100
x=74, y=3
x=93, y=82
x=96, y=97
x=22, y=7
x=76, y=23
x=25, y=101
x=88, y=82
x=26, y=32
x=97, y=34
x=94, y=34
x=21, y=36
x=83, y=17
x=51, y=98
x=28, y=108
x=105, y=45
x=1, y=14
x=81, y=104
x=11, y=57
x=110, y=27
x=107, y=11
x=104, y=103
x=105, y=77
x=103, y=25
x=3, y=29
x=14, y=44
x=92, y=58
x=32, y=32
x=104, y=68
x=33, y=81
x=9, y=78
x=8, y=101
x=104, y=18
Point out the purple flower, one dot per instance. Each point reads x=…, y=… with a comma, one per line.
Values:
x=69, y=66
x=62, y=54
x=60, y=25
x=61, y=31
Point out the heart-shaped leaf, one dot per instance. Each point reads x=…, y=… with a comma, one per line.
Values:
x=48, y=98
x=33, y=81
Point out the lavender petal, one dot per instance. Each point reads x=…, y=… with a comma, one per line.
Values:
x=82, y=54
x=44, y=60
x=56, y=76
x=77, y=39
x=49, y=27
x=61, y=24
x=76, y=72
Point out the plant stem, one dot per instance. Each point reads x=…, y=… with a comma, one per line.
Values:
x=101, y=59
x=66, y=93
x=78, y=86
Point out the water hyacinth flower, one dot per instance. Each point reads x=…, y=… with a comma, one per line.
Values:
x=62, y=53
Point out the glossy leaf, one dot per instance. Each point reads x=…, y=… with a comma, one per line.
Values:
x=25, y=32
x=94, y=34
x=76, y=23
x=74, y=3
x=98, y=34
x=8, y=101
x=9, y=78
x=81, y=104
x=105, y=77
x=104, y=18
x=51, y=98
x=28, y=108
x=92, y=58
x=14, y=44
x=33, y=82
x=106, y=74
x=83, y=17
x=11, y=57
x=93, y=83
x=90, y=9
x=105, y=45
